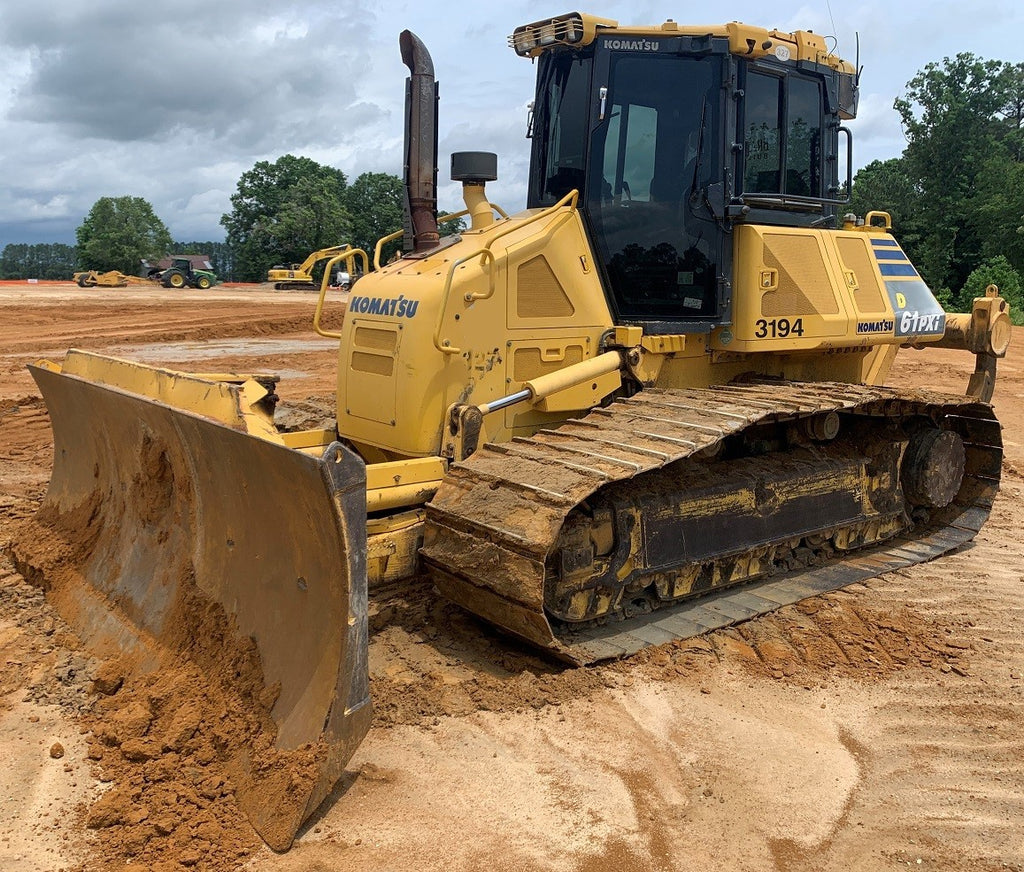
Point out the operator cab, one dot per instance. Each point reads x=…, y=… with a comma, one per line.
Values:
x=645, y=126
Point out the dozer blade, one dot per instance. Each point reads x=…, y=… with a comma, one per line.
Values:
x=165, y=534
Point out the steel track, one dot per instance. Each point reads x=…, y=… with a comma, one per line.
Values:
x=496, y=518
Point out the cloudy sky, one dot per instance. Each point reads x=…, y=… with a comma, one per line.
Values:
x=172, y=100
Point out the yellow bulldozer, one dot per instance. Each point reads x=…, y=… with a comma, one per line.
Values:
x=649, y=405
x=299, y=276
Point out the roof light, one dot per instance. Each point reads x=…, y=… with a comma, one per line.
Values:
x=570, y=29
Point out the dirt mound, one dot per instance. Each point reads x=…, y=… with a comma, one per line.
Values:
x=313, y=413
x=846, y=634
x=25, y=453
x=46, y=662
x=161, y=740
x=157, y=740
x=183, y=726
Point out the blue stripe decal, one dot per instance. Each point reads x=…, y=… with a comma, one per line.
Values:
x=885, y=243
x=898, y=269
x=890, y=255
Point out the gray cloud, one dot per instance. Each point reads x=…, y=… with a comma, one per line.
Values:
x=173, y=100
x=125, y=74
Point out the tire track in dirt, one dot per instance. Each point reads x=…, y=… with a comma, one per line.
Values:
x=942, y=785
x=93, y=331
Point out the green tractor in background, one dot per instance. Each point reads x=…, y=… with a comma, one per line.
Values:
x=181, y=274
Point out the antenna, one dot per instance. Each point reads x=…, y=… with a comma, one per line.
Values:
x=830, y=18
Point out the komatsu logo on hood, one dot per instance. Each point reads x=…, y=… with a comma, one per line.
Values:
x=400, y=308
x=632, y=44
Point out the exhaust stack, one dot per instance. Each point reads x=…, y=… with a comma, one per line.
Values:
x=421, y=96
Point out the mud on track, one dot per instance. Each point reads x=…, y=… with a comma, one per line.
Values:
x=867, y=729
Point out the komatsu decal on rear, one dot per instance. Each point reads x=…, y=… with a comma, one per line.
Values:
x=400, y=308
x=883, y=326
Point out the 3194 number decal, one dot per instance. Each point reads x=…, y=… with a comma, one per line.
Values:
x=778, y=328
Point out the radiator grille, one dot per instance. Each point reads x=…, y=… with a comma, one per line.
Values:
x=377, y=364
x=805, y=287
x=374, y=339
x=529, y=364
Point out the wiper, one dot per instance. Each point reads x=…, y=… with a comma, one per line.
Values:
x=698, y=163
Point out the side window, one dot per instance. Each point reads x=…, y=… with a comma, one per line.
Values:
x=763, y=134
x=782, y=135
x=638, y=167
x=803, y=129
x=563, y=143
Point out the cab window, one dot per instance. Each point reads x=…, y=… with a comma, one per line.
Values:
x=782, y=135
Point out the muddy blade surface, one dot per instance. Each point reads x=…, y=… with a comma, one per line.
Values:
x=167, y=536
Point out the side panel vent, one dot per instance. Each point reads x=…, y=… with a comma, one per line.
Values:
x=538, y=293
x=855, y=255
x=370, y=387
x=805, y=286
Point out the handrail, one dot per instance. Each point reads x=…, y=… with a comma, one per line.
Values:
x=325, y=283
x=384, y=240
x=494, y=206
x=446, y=347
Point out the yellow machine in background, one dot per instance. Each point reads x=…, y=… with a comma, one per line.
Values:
x=110, y=279
x=300, y=275
x=648, y=405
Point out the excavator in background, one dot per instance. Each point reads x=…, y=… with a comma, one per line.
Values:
x=299, y=276
x=649, y=405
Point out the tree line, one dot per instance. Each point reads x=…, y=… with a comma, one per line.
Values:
x=281, y=212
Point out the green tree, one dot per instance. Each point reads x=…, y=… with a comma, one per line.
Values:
x=375, y=201
x=998, y=210
x=1013, y=111
x=120, y=232
x=887, y=186
x=954, y=121
x=884, y=185
x=377, y=204
x=996, y=271
x=282, y=211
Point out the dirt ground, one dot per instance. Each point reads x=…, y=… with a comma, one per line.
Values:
x=875, y=728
